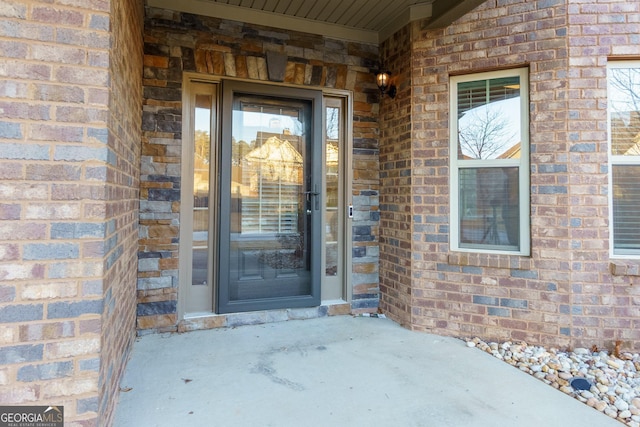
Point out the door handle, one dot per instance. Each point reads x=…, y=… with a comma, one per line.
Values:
x=315, y=194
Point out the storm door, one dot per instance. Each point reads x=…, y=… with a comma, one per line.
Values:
x=270, y=213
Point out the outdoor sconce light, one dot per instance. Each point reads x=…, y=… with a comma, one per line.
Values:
x=383, y=81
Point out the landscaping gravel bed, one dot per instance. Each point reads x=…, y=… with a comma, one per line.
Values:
x=610, y=383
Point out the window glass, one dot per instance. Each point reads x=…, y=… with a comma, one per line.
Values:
x=489, y=172
x=626, y=200
x=624, y=111
x=624, y=135
x=333, y=141
x=267, y=167
x=489, y=213
x=489, y=119
x=201, y=160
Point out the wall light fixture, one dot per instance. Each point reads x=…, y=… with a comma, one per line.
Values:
x=383, y=80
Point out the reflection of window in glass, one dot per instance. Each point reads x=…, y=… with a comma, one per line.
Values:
x=489, y=132
x=624, y=136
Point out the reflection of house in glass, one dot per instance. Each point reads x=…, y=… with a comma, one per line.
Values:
x=267, y=202
x=331, y=214
x=625, y=133
x=268, y=180
x=200, y=199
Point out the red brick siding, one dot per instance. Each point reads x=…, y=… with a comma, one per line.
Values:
x=604, y=306
x=68, y=203
x=123, y=188
x=563, y=294
x=396, y=181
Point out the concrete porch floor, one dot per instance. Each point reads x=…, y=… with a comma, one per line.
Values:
x=333, y=371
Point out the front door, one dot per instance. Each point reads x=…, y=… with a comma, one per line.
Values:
x=270, y=201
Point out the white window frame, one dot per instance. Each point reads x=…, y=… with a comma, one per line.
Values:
x=616, y=160
x=522, y=163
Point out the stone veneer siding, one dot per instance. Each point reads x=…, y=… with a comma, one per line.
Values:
x=568, y=292
x=68, y=202
x=179, y=42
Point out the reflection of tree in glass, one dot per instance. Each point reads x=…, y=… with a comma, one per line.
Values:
x=485, y=135
x=627, y=82
x=625, y=107
x=203, y=145
x=238, y=150
x=333, y=123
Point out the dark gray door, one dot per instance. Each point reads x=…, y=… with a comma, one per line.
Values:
x=270, y=165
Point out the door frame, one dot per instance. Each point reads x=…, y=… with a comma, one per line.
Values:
x=186, y=203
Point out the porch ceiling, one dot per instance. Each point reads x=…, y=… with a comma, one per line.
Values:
x=367, y=21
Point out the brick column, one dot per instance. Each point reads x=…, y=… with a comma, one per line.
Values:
x=68, y=202
x=604, y=299
x=396, y=162
x=492, y=295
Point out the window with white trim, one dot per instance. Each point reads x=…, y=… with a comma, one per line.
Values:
x=623, y=107
x=490, y=162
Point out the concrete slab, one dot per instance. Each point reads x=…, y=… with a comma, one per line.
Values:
x=333, y=371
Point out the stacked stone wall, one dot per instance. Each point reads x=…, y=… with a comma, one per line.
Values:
x=178, y=42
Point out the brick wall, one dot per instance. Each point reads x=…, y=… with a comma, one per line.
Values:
x=396, y=181
x=603, y=306
x=65, y=236
x=175, y=43
x=563, y=294
x=123, y=188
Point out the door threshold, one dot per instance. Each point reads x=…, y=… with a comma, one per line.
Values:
x=200, y=321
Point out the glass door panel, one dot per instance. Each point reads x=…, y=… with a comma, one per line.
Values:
x=270, y=231
x=270, y=200
x=196, y=204
x=334, y=214
x=202, y=145
x=332, y=158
